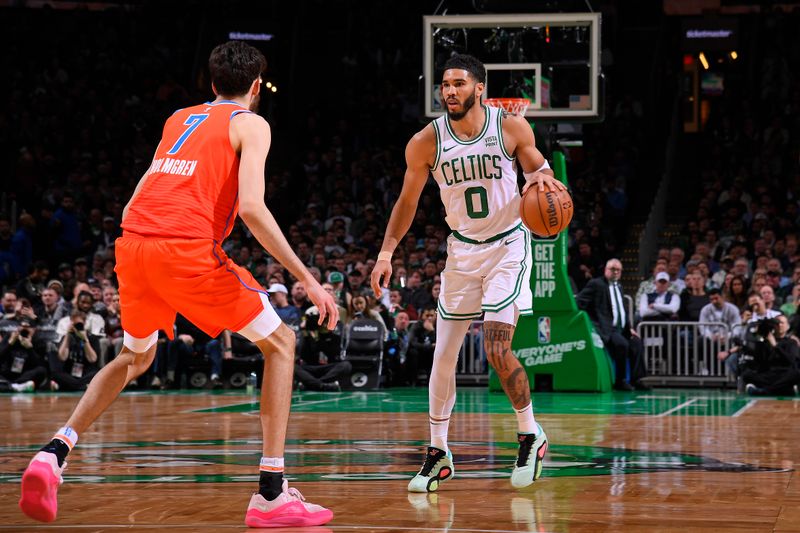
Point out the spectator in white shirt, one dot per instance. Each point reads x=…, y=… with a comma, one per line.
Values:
x=662, y=304
x=649, y=285
x=95, y=326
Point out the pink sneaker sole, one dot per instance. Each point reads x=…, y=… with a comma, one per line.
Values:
x=39, y=492
x=289, y=515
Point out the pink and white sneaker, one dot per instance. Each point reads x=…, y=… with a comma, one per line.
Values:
x=289, y=509
x=40, y=487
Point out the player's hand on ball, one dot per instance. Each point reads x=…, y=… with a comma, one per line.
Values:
x=324, y=302
x=544, y=180
x=380, y=276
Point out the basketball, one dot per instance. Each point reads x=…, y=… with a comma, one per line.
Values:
x=546, y=213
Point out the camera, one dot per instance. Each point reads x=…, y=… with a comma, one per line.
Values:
x=24, y=333
x=765, y=326
x=309, y=321
x=78, y=326
x=756, y=350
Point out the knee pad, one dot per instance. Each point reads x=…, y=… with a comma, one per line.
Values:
x=263, y=325
x=137, y=345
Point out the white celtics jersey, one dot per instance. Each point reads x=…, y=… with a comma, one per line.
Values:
x=477, y=179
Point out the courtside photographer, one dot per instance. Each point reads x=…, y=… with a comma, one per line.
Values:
x=770, y=358
x=76, y=363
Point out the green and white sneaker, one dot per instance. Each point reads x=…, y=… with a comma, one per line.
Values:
x=438, y=467
x=530, y=457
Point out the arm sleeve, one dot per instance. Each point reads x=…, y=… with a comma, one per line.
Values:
x=585, y=298
x=61, y=329
x=96, y=325
x=732, y=316
x=4, y=346
x=672, y=307
x=705, y=316
x=641, y=290
x=788, y=350
x=94, y=342
x=644, y=309
x=413, y=341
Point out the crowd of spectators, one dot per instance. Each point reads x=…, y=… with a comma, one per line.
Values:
x=742, y=236
x=85, y=126
x=736, y=260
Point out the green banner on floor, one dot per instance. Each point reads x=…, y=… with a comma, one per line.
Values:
x=557, y=346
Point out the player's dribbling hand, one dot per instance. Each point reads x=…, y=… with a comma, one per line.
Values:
x=544, y=180
x=381, y=274
x=325, y=304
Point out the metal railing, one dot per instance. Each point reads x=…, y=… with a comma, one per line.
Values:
x=674, y=353
x=629, y=307
x=472, y=364
x=685, y=352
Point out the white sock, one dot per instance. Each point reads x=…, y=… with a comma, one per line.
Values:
x=271, y=464
x=439, y=429
x=68, y=436
x=525, y=420
x=442, y=382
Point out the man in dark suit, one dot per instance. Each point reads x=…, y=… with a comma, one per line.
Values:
x=602, y=299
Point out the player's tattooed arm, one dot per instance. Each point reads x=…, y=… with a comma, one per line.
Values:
x=497, y=338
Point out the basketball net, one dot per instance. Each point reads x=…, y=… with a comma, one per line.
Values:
x=515, y=106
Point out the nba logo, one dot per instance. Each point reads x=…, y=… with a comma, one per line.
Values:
x=544, y=329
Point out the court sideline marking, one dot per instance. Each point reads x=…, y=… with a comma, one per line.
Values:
x=678, y=407
x=747, y=406
x=295, y=403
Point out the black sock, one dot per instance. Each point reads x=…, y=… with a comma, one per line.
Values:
x=270, y=484
x=59, y=448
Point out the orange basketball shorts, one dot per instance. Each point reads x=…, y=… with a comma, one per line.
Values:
x=194, y=277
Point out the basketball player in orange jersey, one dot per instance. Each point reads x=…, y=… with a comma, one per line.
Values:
x=208, y=165
x=473, y=152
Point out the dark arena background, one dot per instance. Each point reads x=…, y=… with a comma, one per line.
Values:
x=675, y=125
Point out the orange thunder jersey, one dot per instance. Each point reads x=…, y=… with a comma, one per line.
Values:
x=192, y=185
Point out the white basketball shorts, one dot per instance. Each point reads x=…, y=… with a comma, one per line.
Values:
x=487, y=277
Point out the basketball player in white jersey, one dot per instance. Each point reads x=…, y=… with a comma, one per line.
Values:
x=473, y=152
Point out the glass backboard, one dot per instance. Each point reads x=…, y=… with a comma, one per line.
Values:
x=551, y=59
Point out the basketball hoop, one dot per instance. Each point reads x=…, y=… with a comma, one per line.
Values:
x=515, y=106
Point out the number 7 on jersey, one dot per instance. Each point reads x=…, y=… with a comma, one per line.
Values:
x=193, y=121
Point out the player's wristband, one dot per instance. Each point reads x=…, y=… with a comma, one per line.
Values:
x=384, y=256
x=529, y=175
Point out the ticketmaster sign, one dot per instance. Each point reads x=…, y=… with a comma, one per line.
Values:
x=557, y=345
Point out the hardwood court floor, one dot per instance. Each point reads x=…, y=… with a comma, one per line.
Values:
x=666, y=460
